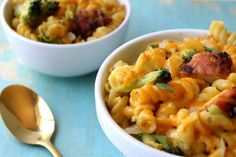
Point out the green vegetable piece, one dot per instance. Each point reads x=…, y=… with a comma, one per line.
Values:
x=149, y=139
x=44, y=38
x=188, y=54
x=70, y=12
x=161, y=139
x=160, y=142
x=128, y=88
x=212, y=50
x=164, y=77
x=214, y=109
x=49, y=7
x=18, y=10
x=166, y=144
x=148, y=78
x=172, y=149
x=164, y=86
x=30, y=11
x=34, y=11
x=154, y=46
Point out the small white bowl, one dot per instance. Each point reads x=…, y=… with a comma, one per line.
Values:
x=63, y=60
x=129, y=52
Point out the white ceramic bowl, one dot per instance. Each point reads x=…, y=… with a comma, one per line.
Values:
x=129, y=52
x=62, y=60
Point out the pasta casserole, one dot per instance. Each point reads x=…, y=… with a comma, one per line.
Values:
x=66, y=21
x=180, y=96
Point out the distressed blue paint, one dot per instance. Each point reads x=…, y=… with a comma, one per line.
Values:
x=72, y=99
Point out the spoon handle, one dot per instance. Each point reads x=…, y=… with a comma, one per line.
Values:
x=51, y=148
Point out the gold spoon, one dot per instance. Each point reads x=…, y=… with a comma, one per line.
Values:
x=28, y=117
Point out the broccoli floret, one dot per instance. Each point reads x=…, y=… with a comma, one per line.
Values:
x=161, y=139
x=34, y=11
x=164, y=76
x=188, y=54
x=161, y=81
x=171, y=149
x=167, y=145
x=160, y=142
x=44, y=38
x=155, y=76
x=30, y=11
x=149, y=139
x=49, y=7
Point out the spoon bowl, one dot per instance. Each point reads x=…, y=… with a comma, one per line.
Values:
x=28, y=117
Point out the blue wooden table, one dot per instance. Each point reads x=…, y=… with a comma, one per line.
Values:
x=71, y=100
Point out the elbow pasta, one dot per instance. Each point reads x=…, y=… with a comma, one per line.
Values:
x=65, y=25
x=178, y=108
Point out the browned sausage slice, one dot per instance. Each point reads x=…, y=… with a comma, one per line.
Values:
x=208, y=66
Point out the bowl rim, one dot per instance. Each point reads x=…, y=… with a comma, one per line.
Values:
x=126, y=3
x=98, y=88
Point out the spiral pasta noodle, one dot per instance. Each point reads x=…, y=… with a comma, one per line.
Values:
x=216, y=87
x=219, y=31
x=117, y=18
x=146, y=121
x=117, y=75
x=163, y=115
x=185, y=89
x=23, y=29
x=101, y=31
x=190, y=43
x=148, y=94
x=232, y=39
x=231, y=50
x=210, y=42
x=141, y=101
x=117, y=103
x=208, y=93
x=173, y=64
x=149, y=60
